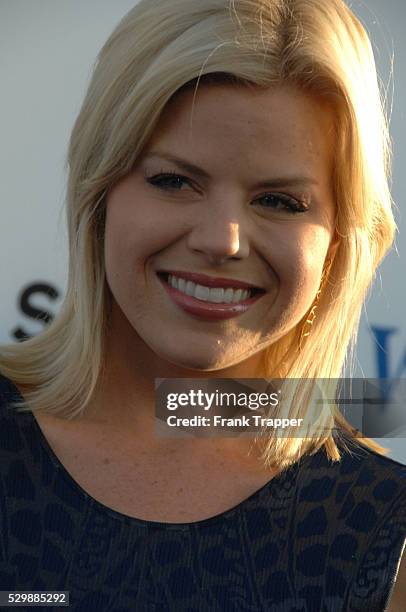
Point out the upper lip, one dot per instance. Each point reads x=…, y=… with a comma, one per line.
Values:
x=211, y=281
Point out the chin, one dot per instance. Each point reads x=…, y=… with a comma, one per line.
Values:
x=202, y=364
x=201, y=361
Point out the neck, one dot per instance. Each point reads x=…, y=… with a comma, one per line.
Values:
x=125, y=395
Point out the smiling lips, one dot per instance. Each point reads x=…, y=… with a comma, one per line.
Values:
x=217, y=298
x=210, y=281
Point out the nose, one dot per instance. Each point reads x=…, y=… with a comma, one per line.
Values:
x=219, y=235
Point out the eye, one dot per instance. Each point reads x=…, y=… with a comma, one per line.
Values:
x=280, y=202
x=169, y=181
x=284, y=203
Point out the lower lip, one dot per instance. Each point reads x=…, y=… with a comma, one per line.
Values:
x=208, y=310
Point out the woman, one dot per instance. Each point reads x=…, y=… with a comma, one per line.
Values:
x=220, y=145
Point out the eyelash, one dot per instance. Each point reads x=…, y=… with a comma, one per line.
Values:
x=291, y=205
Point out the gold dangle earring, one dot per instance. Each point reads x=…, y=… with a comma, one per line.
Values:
x=307, y=325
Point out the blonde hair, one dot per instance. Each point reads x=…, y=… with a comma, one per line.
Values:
x=156, y=50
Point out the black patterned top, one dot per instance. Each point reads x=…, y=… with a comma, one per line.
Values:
x=319, y=537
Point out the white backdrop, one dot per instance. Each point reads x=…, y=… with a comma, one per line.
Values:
x=47, y=49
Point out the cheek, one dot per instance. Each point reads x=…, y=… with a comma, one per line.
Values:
x=122, y=246
x=126, y=228
x=135, y=231
x=117, y=245
x=297, y=260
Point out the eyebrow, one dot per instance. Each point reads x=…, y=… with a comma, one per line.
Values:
x=293, y=181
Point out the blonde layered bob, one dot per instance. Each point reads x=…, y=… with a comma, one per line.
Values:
x=159, y=48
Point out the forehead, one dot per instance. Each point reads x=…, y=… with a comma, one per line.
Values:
x=278, y=125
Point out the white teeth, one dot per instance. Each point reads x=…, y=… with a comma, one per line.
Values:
x=237, y=295
x=228, y=295
x=209, y=294
x=202, y=293
x=216, y=295
x=190, y=288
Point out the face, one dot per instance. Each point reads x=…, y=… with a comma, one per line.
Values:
x=241, y=190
